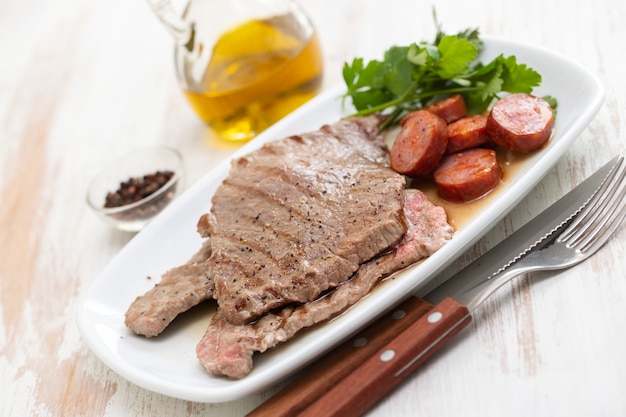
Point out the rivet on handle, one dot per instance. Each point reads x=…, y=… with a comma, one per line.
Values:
x=398, y=314
x=387, y=355
x=359, y=342
x=435, y=317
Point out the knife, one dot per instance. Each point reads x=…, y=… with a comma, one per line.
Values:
x=353, y=377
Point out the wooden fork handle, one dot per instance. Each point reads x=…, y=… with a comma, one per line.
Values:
x=367, y=384
x=331, y=369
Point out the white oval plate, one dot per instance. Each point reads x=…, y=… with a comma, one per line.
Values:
x=167, y=364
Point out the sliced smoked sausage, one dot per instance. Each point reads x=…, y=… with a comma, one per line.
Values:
x=449, y=109
x=520, y=122
x=467, y=175
x=420, y=144
x=466, y=133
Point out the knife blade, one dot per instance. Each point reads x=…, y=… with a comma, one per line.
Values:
x=356, y=375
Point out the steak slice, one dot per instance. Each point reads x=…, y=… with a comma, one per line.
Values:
x=180, y=289
x=226, y=349
x=300, y=215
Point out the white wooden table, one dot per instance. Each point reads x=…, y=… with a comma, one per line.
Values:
x=82, y=82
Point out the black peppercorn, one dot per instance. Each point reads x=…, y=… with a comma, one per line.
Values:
x=138, y=188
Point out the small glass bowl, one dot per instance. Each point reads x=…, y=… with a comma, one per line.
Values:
x=134, y=216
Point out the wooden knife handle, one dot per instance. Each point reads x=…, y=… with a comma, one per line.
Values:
x=332, y=368
x=379, y=374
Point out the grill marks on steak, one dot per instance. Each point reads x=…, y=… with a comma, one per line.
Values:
x=227, y=349
x=300, y=215
x=180, y=289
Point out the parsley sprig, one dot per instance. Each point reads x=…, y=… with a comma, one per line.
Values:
x=410, y=77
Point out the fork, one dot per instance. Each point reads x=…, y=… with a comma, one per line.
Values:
x=583, y=236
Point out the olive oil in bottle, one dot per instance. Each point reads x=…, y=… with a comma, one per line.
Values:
x=259, y=72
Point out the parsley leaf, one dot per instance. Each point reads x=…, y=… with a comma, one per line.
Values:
x=410, y=77
x=396, y=70
x=519, y=78
x=456, y=56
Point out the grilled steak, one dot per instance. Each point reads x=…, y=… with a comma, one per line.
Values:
x=300, y=215
x=227, y=349
x=180, y=289
x=300, y=230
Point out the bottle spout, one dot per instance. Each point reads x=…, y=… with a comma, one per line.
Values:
x=183, y=32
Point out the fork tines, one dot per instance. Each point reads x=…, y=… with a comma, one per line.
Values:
x=602, y=215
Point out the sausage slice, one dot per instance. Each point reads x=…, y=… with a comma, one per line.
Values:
x=467, y=175
x=520, y=122
x=449, y=109
x=466, y=133
x=419, y=146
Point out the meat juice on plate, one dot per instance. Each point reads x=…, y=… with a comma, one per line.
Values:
x=259, y=72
